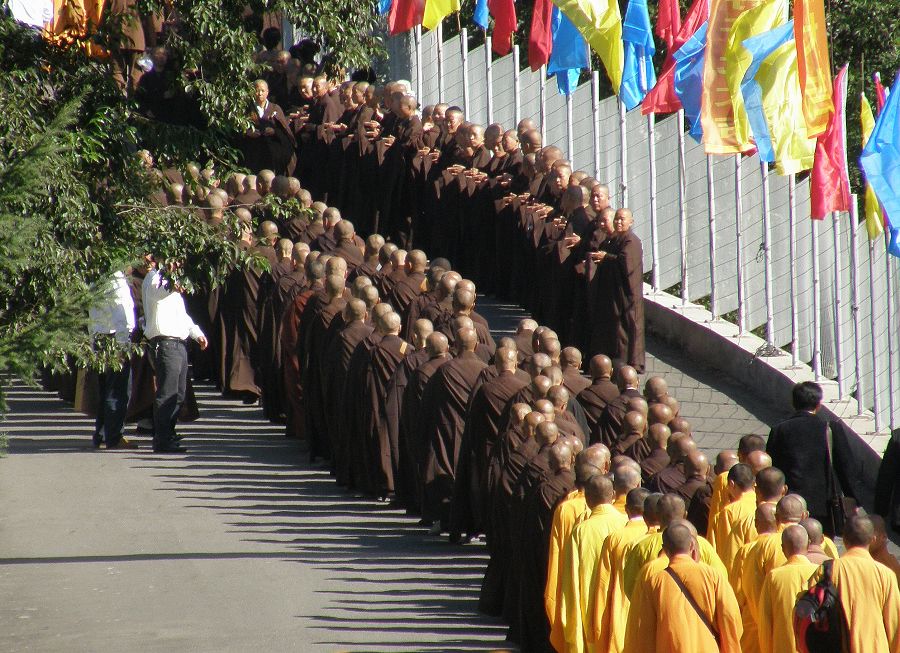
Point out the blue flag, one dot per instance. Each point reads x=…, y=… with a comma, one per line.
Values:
x=880, y=161
x=569, y=55
x=481, y=13
x=688, y=81
x=760, y=47
x=384, y=6
x=637, y=37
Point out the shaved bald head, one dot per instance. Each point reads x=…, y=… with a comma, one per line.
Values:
x=422, y=328
x=764, y=518
x=725, y=460
x=770, y=484
x=670, y=507
x=759, y=460
x=437, y=345
x=627, y=377
x=601, y=367
x=678, y=540
x=794, y=541
x=599, y=490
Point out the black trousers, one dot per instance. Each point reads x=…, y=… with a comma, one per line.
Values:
x=114, y=391
x=170, y=362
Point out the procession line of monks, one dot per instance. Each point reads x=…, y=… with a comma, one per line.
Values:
x=378, y=357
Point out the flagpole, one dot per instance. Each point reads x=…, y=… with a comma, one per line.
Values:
x=623, y=159
x=517, y=85
x=889, y=269
x=792, y=219
x=854, y=303
x=739, y=245
x=682, y=209
x=439, y=30
x=873, y=324
x=838, y=301
x=489, y=74
x=767, y=253
x=544, y=104
x=711, y=205
x=817, y=303
x=651, y=144
x=464, y=50
x=595, y=107
x=417, y=33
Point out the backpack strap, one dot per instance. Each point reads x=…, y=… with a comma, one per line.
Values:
x=693, y=604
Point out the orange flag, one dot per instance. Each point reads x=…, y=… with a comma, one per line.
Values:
x=813, y=64
x=717, y=111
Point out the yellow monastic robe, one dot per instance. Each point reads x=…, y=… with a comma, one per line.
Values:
x=830, y=548
x=718, y=500
x=734, y=526
x=749, y=639
x=870, y=599
x=644, y=550
x=578, y=574
x=610, y=617
x=776, y=604
x=619, y=504
x=888, y=561
x=662, y=620
x=565, y=517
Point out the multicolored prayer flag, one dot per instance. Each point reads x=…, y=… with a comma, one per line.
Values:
x=688, y=78
x=600, y=23
x=504, y=13
x=638, y=75
x=540, y=36
x=874, y=215
x=813, y=64
x=404, y=15
x=570, y=53
x=829, y=183
x=438, y=10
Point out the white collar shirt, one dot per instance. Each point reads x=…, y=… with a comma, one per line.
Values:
x=114, y=315
x=164, y=311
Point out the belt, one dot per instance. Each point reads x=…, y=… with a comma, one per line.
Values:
x=163, y=338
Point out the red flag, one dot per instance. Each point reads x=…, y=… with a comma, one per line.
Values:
x=504, y=13
x=662, y=98
x=829, y=183
x=880, y=95
x=540, y=39
x=668, y=24
x=404, y=15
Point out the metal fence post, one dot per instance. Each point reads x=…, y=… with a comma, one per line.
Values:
x=570, y=136
x=873, y=324
x=739, y=245
x=517, y=86
x=464, y=51
x=889, y=277
x=544, y=104
x=838, y=302
x=595, y=108
x=417, y=33
x=767, y=255
x=489, y=74
x=817, y=303
x=439, y=34
x=711, y=204
x=682, y=206
x=854, y=304
x=623, y=151
x=792, y=217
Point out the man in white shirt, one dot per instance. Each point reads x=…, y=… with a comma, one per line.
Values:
x=113, y=318
x=167, y=327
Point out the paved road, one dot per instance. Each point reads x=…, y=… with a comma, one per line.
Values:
x=241, y=544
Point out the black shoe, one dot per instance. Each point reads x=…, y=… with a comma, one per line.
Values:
x=173, y=448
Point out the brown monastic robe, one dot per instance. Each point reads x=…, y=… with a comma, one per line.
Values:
x=384, y=359
x=443, y=415
x=595, y=398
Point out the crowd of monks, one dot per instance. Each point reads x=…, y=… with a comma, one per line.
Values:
x=608, y=528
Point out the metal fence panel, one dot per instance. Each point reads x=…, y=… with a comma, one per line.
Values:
x=477, y=87
x=697, y=208
x=504, y=92
x=453, y=81
x=667, y=202
x=583, y=129
x=530, y=82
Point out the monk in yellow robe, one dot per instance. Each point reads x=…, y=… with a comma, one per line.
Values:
x=578, y=573
x=868, y=590
x=607, y=626
x=670, y=507
x=780, y=591
x=719, y=497
x=728, y=530
x=626, y=477
x=661, y=617
x=593, y=460
x=724, y=461
x=765, y=525
x=878, y=547
x=766, y=555
x=821, y=547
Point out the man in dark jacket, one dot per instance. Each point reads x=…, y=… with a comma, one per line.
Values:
x=798, y=447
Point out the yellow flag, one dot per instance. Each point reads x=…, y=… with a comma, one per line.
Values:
x=874, y=217
x=600, y=23
x=779, y=81
x=762, y=18
x=813, y=63
x=717, y=112
x=438, y=10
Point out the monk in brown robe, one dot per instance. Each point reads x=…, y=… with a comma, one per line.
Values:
x=472, y=491
x=369, y=265
x=438, y=348
x=610, y=423
x=401, y=463
x=570, y=361
x=600, y=393
x=411, y=286
x=443, y=415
